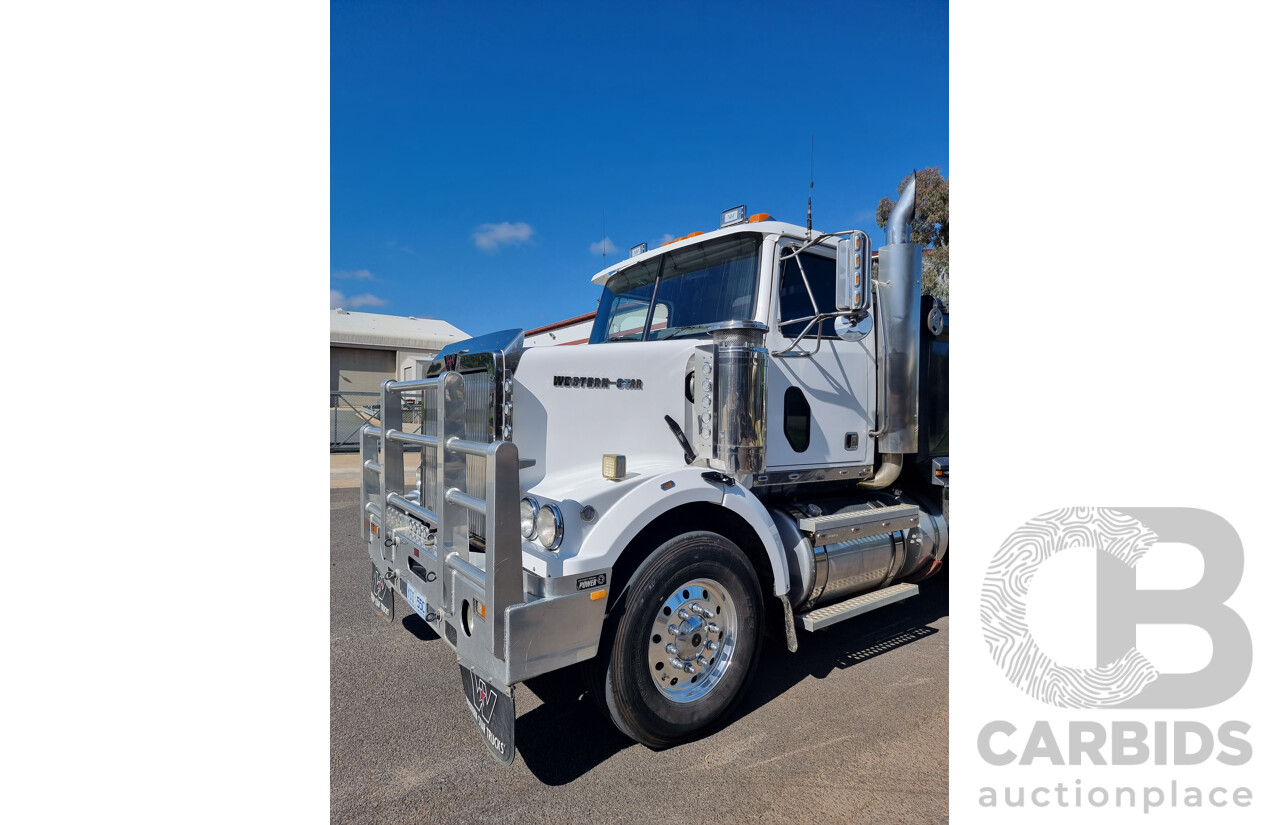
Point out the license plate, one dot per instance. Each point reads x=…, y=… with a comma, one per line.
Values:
x=416, y=601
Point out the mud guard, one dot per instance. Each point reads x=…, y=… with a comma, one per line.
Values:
x=494, y=713
x=384, y=604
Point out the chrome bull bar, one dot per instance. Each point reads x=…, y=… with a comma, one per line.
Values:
x=471, y=591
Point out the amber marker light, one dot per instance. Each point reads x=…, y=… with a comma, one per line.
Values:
x=613, y=466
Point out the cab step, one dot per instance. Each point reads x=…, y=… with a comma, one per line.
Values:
x=838, y=612
x=860, y=523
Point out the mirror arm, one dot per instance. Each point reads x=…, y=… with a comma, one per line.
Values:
x=816, y=319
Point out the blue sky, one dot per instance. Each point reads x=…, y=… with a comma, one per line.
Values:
x=481, y=151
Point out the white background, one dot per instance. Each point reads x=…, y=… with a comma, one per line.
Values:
x=1113, y=216
x=164, y=196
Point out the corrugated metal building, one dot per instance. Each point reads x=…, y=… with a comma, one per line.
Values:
x=366, y=349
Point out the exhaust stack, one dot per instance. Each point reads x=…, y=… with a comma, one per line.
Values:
x=897, y=288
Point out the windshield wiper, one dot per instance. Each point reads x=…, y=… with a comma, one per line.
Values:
x=679, y=332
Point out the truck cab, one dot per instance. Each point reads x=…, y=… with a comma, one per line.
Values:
x=753, y=438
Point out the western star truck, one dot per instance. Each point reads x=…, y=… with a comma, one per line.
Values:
x=754, y=439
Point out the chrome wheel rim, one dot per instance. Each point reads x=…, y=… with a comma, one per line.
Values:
x=692, y=640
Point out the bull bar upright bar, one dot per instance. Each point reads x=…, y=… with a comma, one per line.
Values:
x=470, y=598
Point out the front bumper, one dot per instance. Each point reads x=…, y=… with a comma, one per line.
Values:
x=556, y=625
x=505, y=623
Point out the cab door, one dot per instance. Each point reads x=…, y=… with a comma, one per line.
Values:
x=821, y=393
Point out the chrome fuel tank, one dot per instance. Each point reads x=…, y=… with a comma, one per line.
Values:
x=825, y=573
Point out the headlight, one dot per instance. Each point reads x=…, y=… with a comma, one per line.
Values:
x=528, y=513
x=550, y=526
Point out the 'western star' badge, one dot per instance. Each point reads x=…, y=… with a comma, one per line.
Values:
x=591, y=382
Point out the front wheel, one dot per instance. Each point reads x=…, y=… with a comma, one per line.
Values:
x=677, y=655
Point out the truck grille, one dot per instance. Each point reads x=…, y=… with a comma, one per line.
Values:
x=483, y=411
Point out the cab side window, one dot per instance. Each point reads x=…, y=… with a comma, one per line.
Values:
x=793, y=299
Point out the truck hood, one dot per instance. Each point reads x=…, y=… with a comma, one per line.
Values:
x=573, y=404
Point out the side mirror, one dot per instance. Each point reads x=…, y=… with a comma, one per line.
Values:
x=853, y=273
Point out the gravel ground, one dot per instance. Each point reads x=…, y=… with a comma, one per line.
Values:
x=851, y=728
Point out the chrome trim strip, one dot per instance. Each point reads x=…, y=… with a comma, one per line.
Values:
x=771, y=478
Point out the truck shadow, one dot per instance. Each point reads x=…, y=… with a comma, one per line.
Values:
x=847, y=644
x=566, y=736
x=420, y=629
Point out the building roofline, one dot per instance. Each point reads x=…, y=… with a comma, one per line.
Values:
x=560, y=324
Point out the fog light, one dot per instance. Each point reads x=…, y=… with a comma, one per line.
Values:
x=613, y=466
x=550, y=526
x=528, y=514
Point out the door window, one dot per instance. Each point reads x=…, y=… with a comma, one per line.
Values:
x=793, y=299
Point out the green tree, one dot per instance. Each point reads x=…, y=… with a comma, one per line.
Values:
x=930, y=228
x=936, y=272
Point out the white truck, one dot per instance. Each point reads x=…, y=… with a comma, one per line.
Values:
x=754, y=438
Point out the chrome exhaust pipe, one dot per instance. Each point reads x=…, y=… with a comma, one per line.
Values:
x=897, y=296
x=902, y=214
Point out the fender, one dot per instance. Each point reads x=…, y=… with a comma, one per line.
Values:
x=603, y=542
x=743, y=502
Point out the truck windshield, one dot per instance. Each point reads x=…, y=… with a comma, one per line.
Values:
x=681, y=293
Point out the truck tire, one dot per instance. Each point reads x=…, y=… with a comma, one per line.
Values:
x=681, y=646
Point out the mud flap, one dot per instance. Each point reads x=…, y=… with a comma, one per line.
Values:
x=382, y=599
x=495, y=715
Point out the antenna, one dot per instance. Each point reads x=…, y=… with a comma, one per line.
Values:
x=808, y=223
x=604, y=250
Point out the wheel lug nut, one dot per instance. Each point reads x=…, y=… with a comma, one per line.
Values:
x=713, y=628
x=702, y=662
x=673, y=630
x=679, y=665
x=696, y=608
x=689, y=668
x=713, y=645
x=682, y=613
x=672, y=649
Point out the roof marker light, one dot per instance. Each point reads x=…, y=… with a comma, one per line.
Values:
x=760, y=216
x=729, y=217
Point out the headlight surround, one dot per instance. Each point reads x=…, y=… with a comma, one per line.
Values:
x=528, y=517
x=550, y=526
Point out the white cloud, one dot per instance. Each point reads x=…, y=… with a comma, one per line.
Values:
x=490, y=236
x=358, y=274
x=666, y=237
x=339, y=301
x=604, y=247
